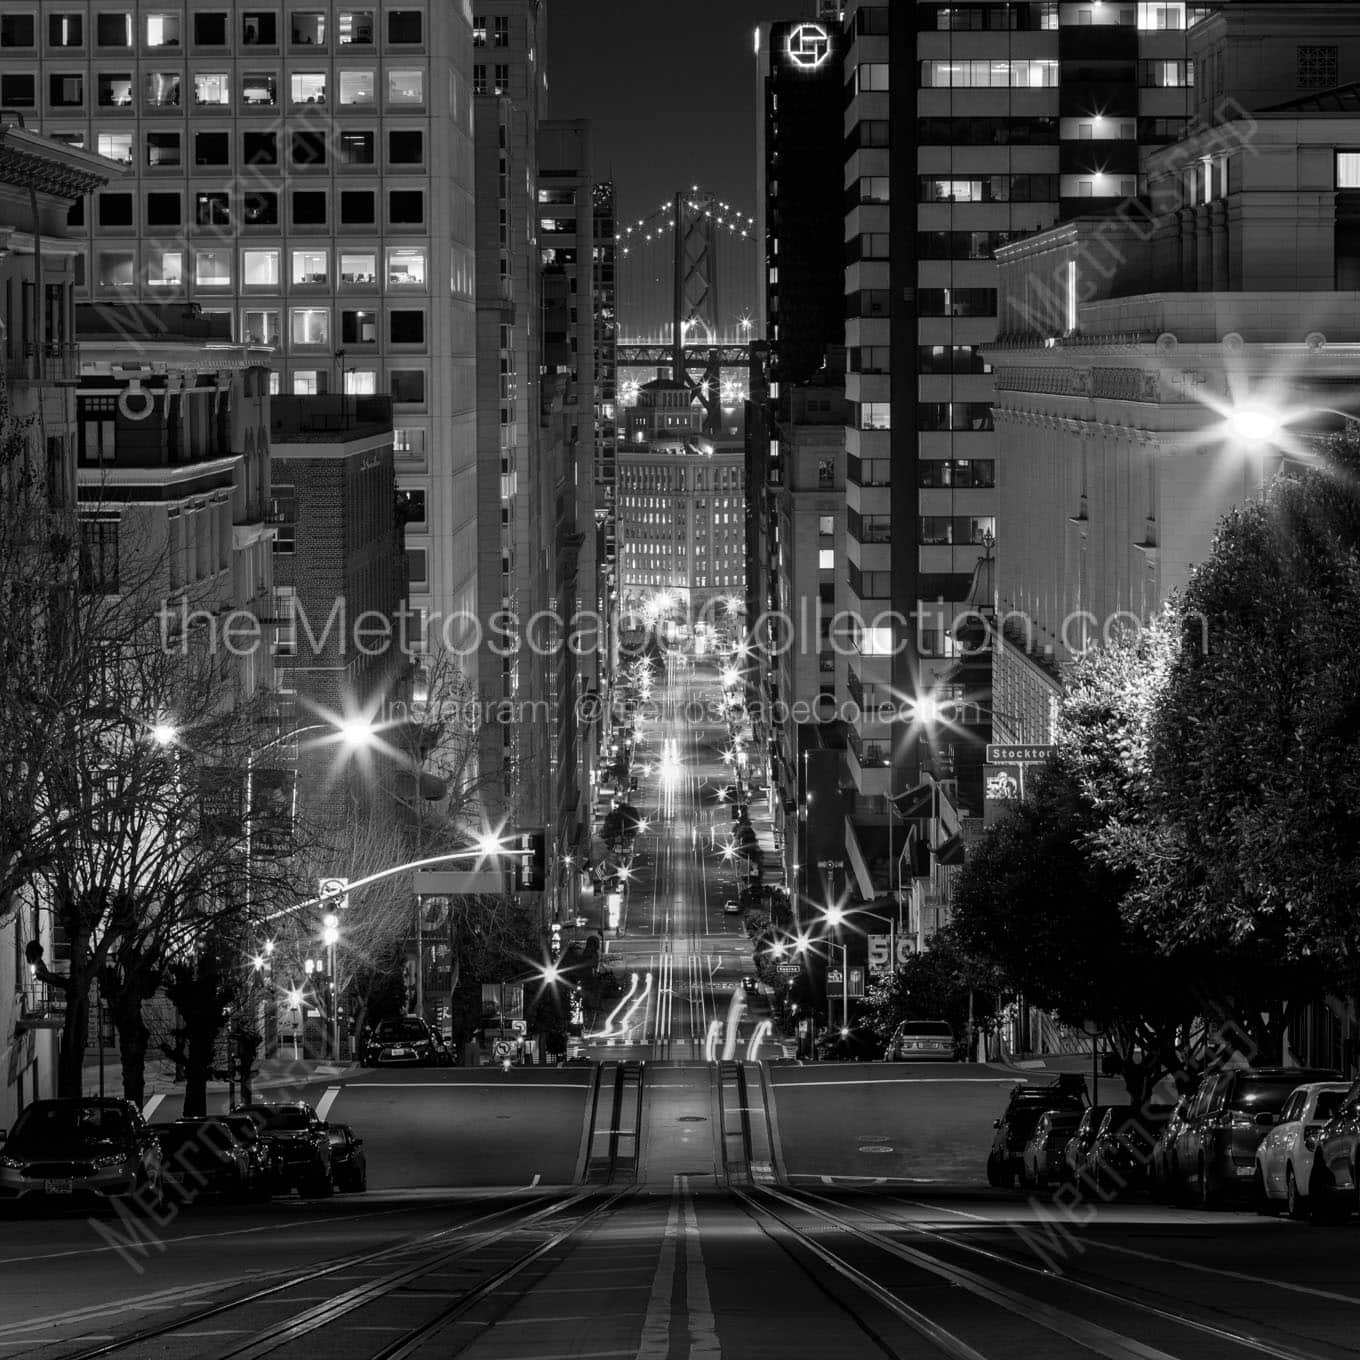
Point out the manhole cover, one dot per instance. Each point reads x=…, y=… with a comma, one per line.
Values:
x=693, y=1119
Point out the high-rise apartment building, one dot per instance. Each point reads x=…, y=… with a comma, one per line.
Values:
x=967, y=126
x=306, y=172
x=511, y=498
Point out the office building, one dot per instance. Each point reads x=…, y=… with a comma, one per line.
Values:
x=306, y=174
x=795, y=421
x=681, y=506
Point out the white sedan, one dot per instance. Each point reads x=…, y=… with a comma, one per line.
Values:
x=1285, y=1156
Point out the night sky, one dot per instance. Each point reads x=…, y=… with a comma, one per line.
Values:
x=669, y=87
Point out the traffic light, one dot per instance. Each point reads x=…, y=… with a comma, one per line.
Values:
x=531, y=863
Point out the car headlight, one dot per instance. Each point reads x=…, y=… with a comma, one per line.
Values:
x=104, y=1163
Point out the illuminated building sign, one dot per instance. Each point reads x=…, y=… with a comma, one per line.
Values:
x=809, y=46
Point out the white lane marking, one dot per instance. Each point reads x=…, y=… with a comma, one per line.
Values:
x=574, y=1087
x=894, y=1081
x=703, y=1334
x=152, y=1105
x=656, y=1326
x=323, y=1106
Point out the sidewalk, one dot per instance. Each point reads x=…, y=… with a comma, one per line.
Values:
x=270, y=1075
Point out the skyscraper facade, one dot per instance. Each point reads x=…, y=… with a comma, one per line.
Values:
x=967, y=126
x=307, y=173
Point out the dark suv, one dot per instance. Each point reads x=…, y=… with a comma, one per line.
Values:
x=1016, y=1126
x=1214, y=1156
x=301, y=1144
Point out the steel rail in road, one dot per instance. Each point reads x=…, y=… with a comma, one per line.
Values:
x=134, y=1342
x=1120, y=1297
x=1027, y=1307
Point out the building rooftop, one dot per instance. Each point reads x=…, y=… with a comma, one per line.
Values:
x=329, y=419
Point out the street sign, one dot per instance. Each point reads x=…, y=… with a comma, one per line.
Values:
x=334, y=894
x=788, y=969
x=1019, y=755
x=906, y=947
x=880, y=953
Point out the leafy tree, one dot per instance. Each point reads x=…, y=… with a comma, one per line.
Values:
x=1033, y=902
x=1255, y=751
x=940, y=983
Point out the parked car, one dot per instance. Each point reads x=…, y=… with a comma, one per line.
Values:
x=1041, y=1161
x=1120, y=1158
x=1162, y=1174
x=349, y=1164
x=1079, y=1145
x=1332, y=1182
x=1233, y=1110
x=921, y=1041
x=265, y=1157
x=301, y=1143
x=848, y=1044
x=407, y=1041
x=208, y=1157
x=1015, y=1127
x=1284, y=1161
x=731, y=907
x=80, y=1148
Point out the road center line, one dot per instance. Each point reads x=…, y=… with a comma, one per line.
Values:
x=656, y=1325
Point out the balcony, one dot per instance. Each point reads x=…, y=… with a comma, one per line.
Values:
x=53, y=364
x=41, y=1007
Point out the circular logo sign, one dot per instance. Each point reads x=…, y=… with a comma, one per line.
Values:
x=809, y=45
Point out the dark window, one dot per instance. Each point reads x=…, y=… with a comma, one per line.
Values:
x=66, y=30
x=163, y=210
x=408, y=384
x=406, y=328
x=358, y=207
x=309, y=148
x=405, y=207
x=358, y=328
x=403, y=26
x=212, y=210
x=956, y=473
x=212, y=148
x=115, y=210
x=113, y=30
x=259, y=29
x=66, y=92
x=16, y=30
x=162, y=148
x=260, y=148
x=411, y=506
x=953, y=415
x=17, y=91
x=956, y=301
x=309, y=208
x=406, y=147
x=261, y=209
x=356, y=148
x=99, y=556
x=210, y=30
x=115, y=90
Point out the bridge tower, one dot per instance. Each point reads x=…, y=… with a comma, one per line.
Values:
x=695, y=315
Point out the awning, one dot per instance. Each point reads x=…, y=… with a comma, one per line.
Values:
x=863, y=880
